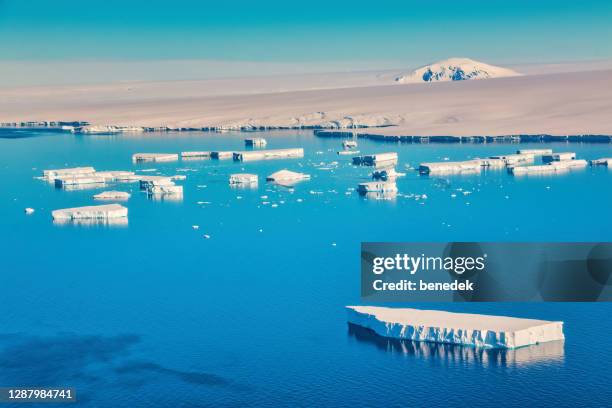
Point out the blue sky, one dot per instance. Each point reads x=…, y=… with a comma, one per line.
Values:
x=404, y=32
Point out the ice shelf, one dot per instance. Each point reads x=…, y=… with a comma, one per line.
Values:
x=105, y=211
x=455, y=328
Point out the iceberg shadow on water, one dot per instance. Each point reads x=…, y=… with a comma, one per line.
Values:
x=549, y=352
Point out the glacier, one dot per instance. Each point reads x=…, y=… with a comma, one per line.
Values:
x=455, y=328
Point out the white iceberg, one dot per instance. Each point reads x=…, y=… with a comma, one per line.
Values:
x=105, y=211
x=287, y=176
x=455, y=328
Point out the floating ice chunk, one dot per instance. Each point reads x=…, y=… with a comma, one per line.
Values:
x=73, y=171
x=243, y=178
x=287, y=176
x=377, y=186
x=166, y=189
x=29, y=211
x=115, y=175
x=178, y=177
x=221, y=155
x=555, y=157
x=71, y=180
x=349, y=144
x=195, y=155
x=154, y=157
x=147, y=182
x=269, y=154
x=455, y=328
x=348, y=152
x=469, y=166
x=206, y=236
x=386, y=174
x=112, y=195
x=195, y=227
x=256, y=142
x=535, y=152
x=91, y=212
x=602, y=162
x=552, y=167
x=377, y=160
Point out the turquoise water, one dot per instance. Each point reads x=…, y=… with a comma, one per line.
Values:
x=154, y=314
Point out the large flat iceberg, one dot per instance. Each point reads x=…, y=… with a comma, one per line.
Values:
x=95, y=212
x=455, y=328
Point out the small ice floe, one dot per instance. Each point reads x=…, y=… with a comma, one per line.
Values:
x=243, y=178
x=287, y=177
x=195, y=227
x=264, y=197
x=147, y=170
x=265, y=202
x=203, y=202
x=29, y=211
x=206, y=236
x=185, y=170
x=261, y=230
x=299, y=200
x=453, y=195
x=333, y=244
x=349, y=144
x=179, y=177
x=238, y=197
x=313, y=192
x=201, y=186
x=112, y=195
x=274, y=205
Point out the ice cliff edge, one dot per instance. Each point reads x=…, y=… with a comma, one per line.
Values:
x=455, y=328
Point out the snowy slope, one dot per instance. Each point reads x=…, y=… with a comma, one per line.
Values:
x=455, y=69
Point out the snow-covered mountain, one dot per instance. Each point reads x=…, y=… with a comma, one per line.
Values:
x=455, y=69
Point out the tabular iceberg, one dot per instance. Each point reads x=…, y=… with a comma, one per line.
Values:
x=455, y=328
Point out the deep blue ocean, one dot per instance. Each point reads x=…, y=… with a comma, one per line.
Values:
x=153, y=314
